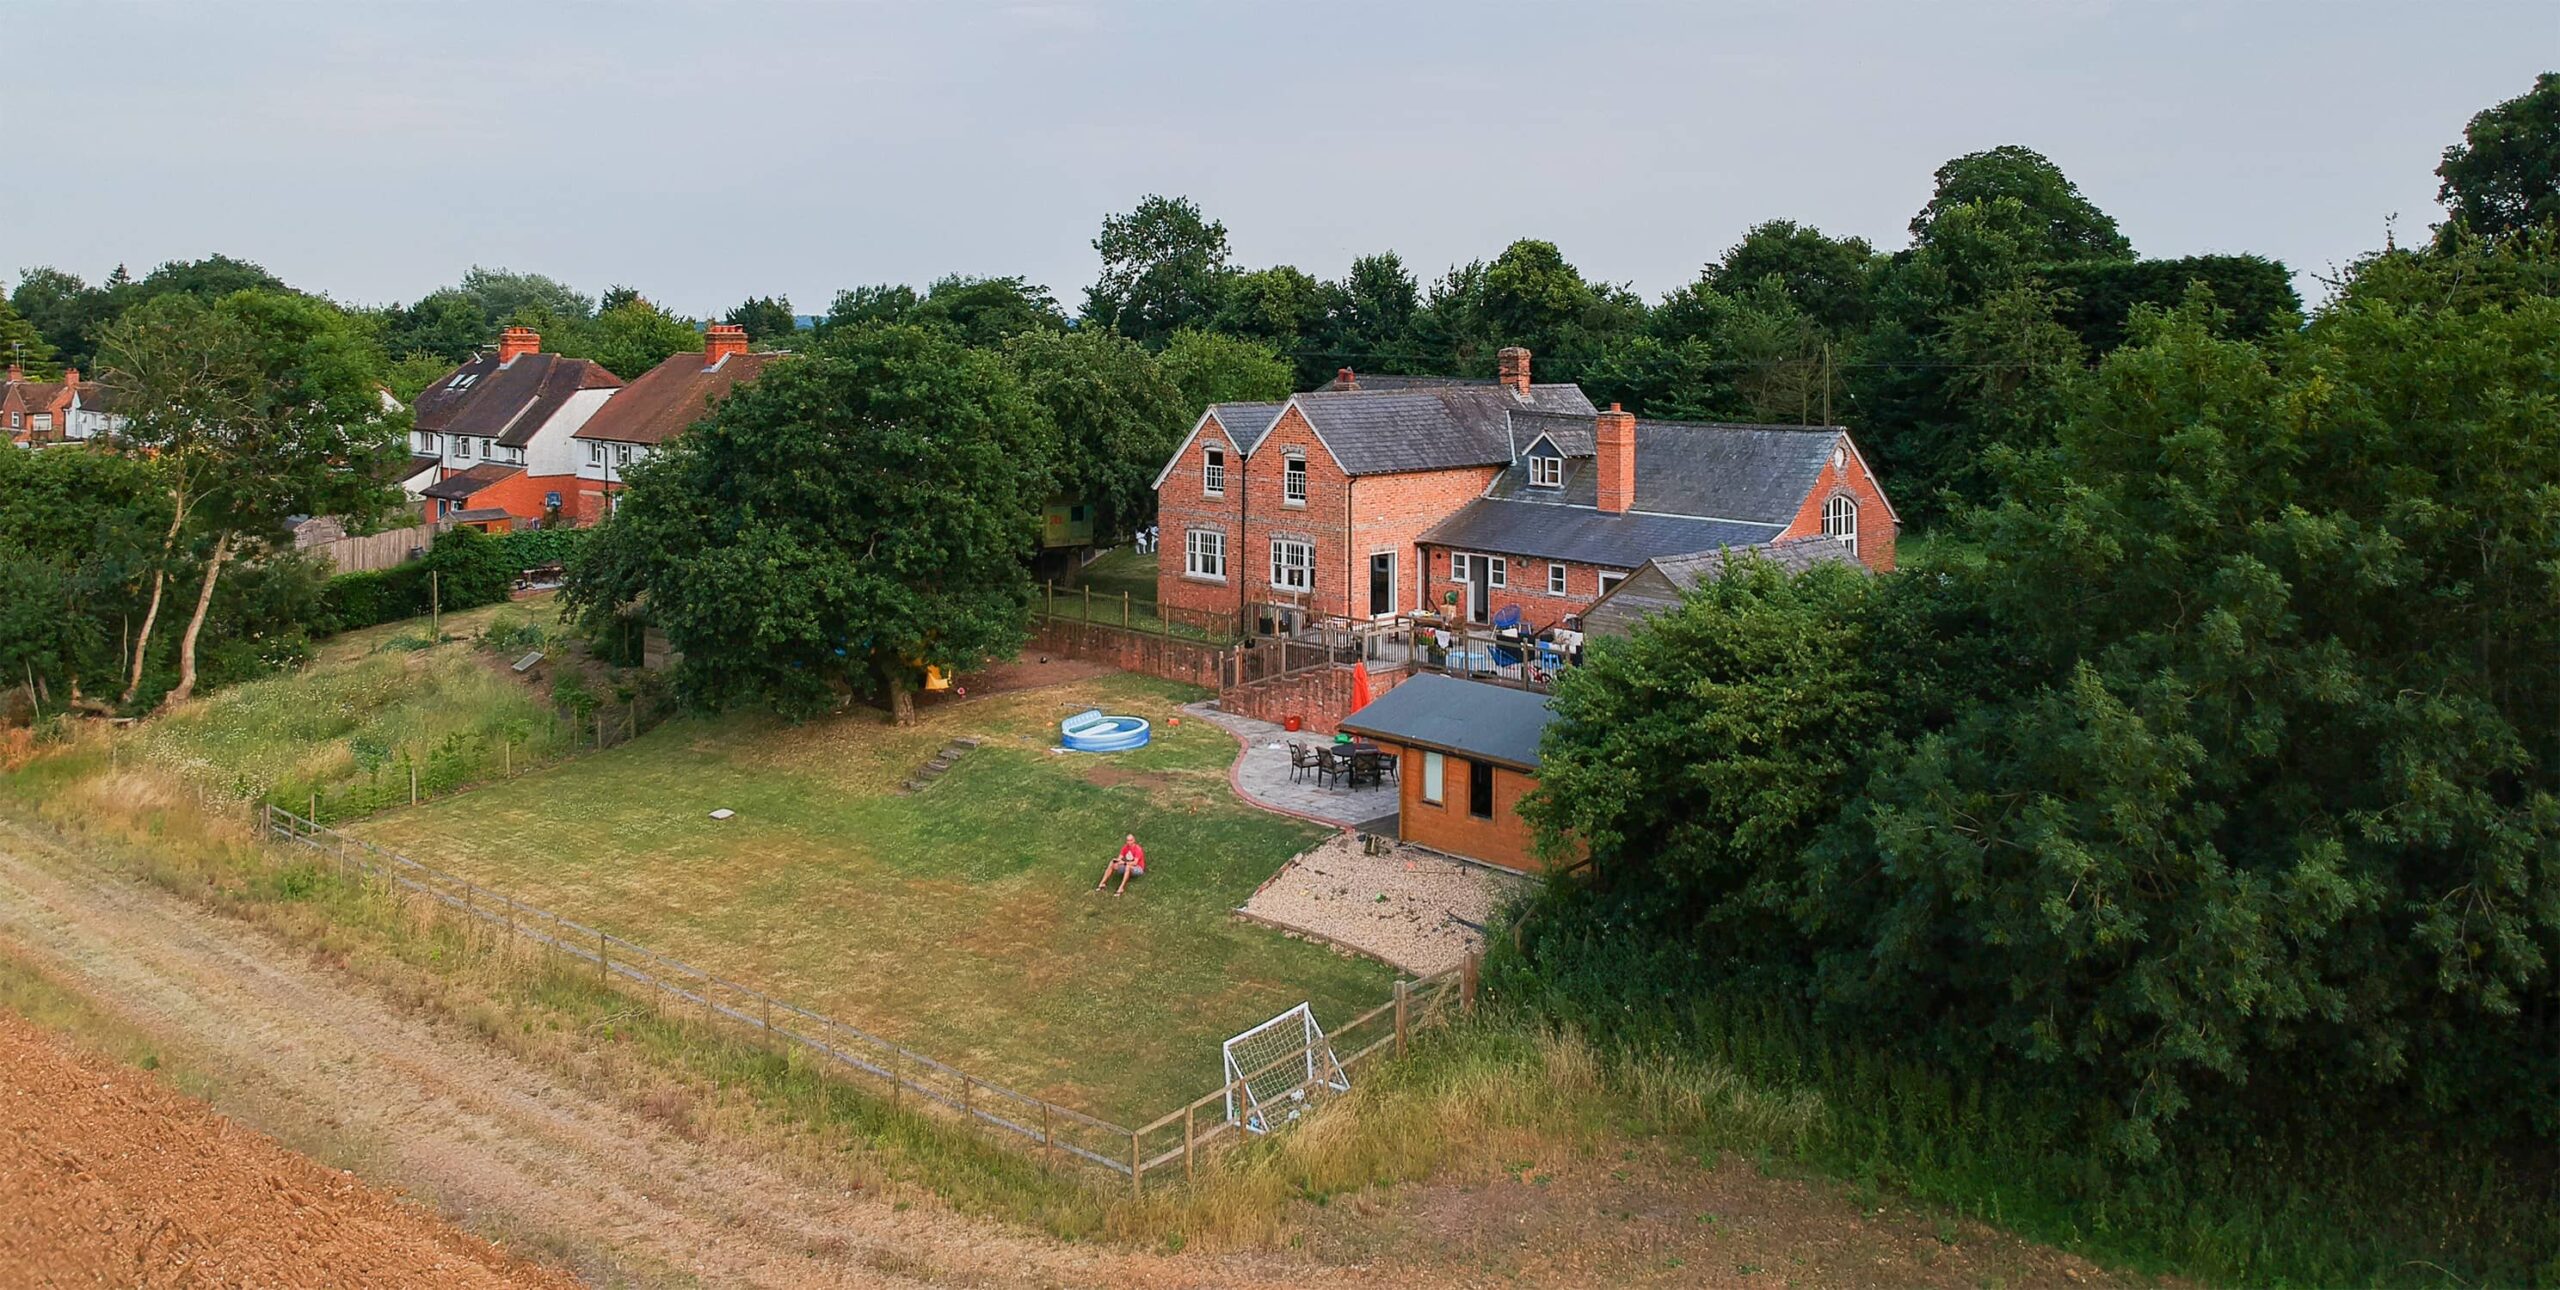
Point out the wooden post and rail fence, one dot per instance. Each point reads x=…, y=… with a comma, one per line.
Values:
x=499, y=923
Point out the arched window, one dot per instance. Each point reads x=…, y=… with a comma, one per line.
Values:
x=1840, y=520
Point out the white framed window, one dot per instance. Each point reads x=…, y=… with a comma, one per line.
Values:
x=1461, y=567
x=1609, y=581
x=595, y=453
x=1546, y=472
x=1204, y=554
x=1293, y=481
x=1213, y=471
x=462, y=449
x=1435, y=777
x=516, y=455
x=1840, y=520
x=1497, y=571
x=43, y=423
x=1555, y=580
x=1293, y=565
x=622, y=454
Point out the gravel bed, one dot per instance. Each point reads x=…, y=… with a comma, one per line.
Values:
x=1403, y=906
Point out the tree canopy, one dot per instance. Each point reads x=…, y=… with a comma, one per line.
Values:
x=1164, y=267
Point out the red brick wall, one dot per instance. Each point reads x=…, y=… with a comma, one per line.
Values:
x=1182, y=505
x=1876, y=528
x=1322, y=522
x=1527, y=589
x=522, y=494
x=1388, y=512
x=1319, y=697
x=1189, y=662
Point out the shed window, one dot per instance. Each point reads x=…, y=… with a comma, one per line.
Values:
x=1213, y=471
x=1293, y=481
x=1840, y=520
x=1435, y=771
x=1546, y=472
x=1609, y=582
x=1480, y=789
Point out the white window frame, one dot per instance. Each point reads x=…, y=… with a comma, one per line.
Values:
x=1293, y=480
x=1435, y=778
x=595, y=453
x=1497, y=572
x=1840, y=520
x=1213, y=471
x=1202, y=549
x=462, y=448
x=622, y=454
x=1555, y=580
x=1546, y=472
x=1303, y=566
x=1461, y=567
x=1609, y=581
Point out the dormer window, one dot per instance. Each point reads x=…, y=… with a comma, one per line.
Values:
x=1213, y=471
x=1293, y=480
x=1546, y=472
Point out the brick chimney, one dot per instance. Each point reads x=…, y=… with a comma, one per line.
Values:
x=1614, y=435
x=71, y=378
x=516, y=342
x=1511, y=367
x=721, y=341
x=1345, y=379
x=16, y=374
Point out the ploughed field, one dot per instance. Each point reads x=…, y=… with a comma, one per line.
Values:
x=959, y=919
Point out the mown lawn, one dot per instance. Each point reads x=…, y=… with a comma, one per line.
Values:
x=960, y=920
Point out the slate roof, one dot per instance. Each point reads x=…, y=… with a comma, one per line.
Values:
x=1584, y=534
x=461, y=484
x=1375, y=381
x=1726, y=472
x=1662, y=581
x=1469, y=718
x=1382, y=432
x=669, y=397
x=509, y=403
x=1246, y=423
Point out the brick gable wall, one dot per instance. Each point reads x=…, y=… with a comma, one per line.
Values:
x=1322, y=521
x=1876, y=528
x=1182, y=504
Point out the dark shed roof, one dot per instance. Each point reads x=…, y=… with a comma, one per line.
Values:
x=1469, y=718
x=1585, y=535
x=509, y=403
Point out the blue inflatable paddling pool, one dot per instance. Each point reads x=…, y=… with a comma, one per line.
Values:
x=1091, y=731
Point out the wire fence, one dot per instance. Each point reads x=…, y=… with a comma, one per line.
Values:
x=909, y=1078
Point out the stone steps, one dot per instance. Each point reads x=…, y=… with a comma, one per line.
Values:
x=940, y=762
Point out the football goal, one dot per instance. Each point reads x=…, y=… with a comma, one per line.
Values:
x=1274, y=1067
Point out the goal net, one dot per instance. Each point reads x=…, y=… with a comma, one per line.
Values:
x=1274, y=1067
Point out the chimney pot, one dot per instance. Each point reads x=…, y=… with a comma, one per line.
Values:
x=16, y=374
x=722, y=340
x=516, y=342
x=1345, y=379
x=1511, y=365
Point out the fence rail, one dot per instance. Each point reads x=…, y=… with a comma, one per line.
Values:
x=677, y=988
x=1125, y=610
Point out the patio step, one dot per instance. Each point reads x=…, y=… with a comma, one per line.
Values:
x=941, y=762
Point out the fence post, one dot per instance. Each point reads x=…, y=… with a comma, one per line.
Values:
x=967, y=1108
x=1088, y=602
x=1124, y=607
x=1137, y=1167
x=1190, y=1116
x=1048, y=1135
x=599, y=727
x=315, y=810
x=1402, y=995
x=768, y=1020
x=604, y=961
x=413, y=779
x=507, y=757
x=1468, y=967
x=1048, y=597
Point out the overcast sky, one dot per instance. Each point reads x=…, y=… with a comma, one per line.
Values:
x=704, y=152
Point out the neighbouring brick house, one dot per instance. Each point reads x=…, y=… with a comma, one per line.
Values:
x=38, y=414
x=654, y=409
x=1377, y=496
x=499, y=430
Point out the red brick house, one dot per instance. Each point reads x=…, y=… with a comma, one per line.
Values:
x=38, y=414
x=1377, y=496
x=505, y=420
x=640, y=420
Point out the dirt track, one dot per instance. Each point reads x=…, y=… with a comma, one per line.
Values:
x=488, y=1140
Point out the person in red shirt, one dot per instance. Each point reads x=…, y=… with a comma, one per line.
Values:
x=1131, y=862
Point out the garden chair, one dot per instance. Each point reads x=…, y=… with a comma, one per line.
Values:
x=1301, y=760
x=1330, y=767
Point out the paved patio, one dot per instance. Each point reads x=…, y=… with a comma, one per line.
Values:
x=1262, y=776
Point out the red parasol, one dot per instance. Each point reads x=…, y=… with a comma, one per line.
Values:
x=1359, y=686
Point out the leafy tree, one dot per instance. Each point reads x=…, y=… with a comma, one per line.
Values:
x=985, y=312
x=1370, y=317
x=1117, y=418
x=78, y=533
x=2504, y=176
x=211, y=278
x=447, y=325
x=764, y=318
x=502, y=294
x=1529, y=296
x=1283, y=308
x=1209, y=368
x=1824, y=277
x=1164, y=268
x=2050, y=219
x=630, y=338
x=835, y=526
x=23, y=344
x=63, y=309
x=616, y=296
x=2255, y=294
x=860, y=306
x=258, y=406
